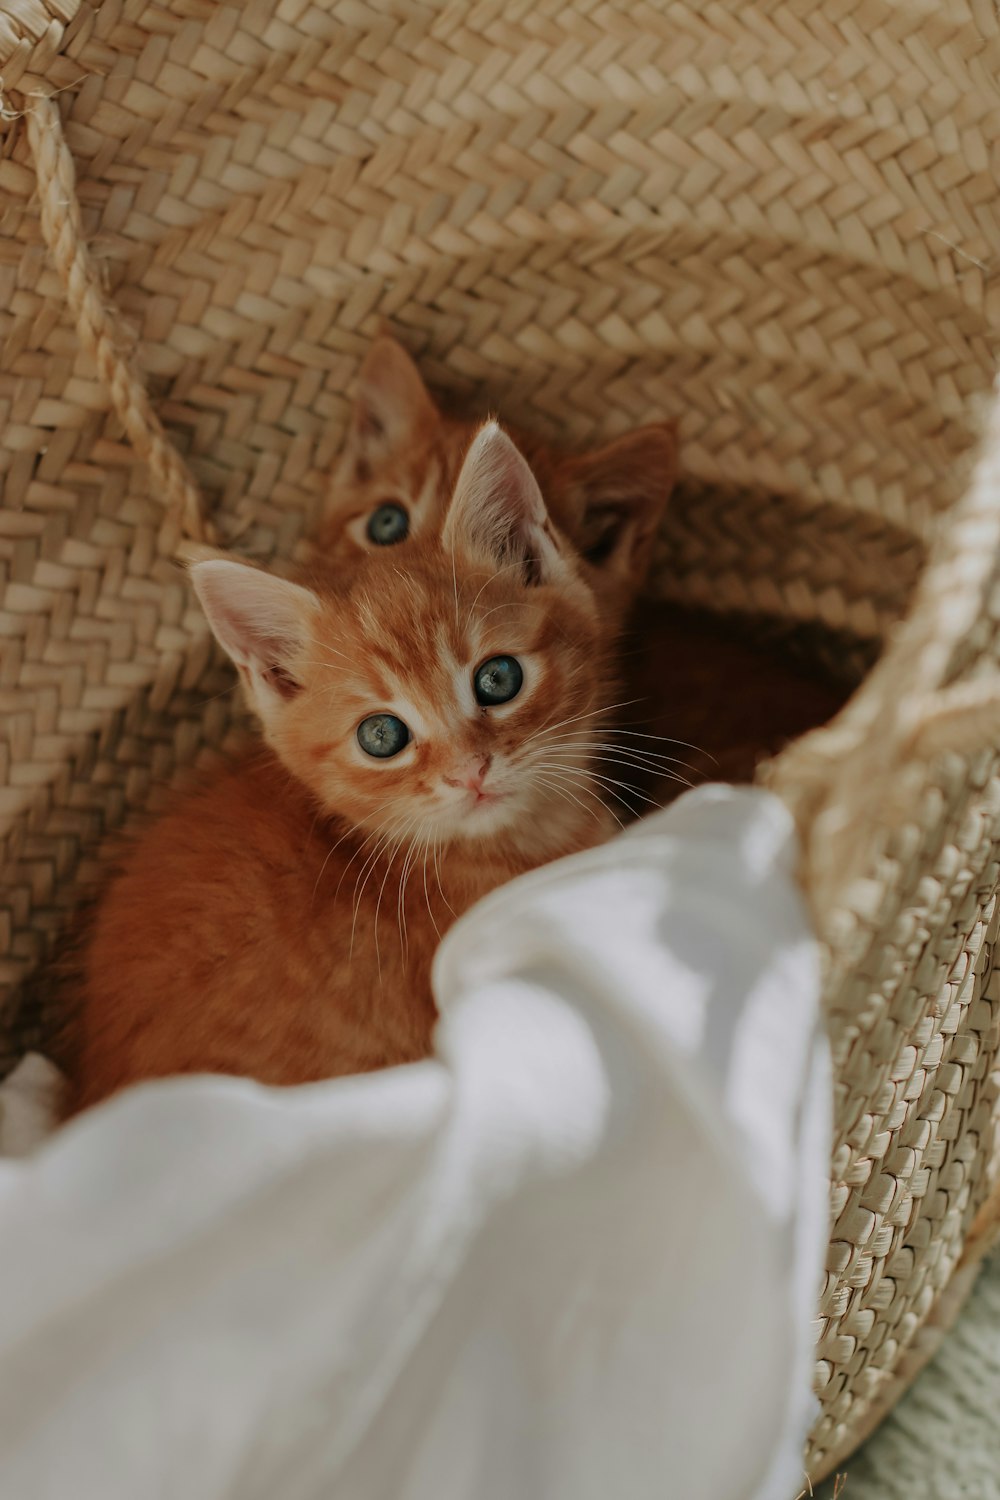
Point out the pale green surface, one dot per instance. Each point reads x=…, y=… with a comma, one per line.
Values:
x=942, y=1442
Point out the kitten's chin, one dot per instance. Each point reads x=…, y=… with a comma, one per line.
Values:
x=486, y=819
x=539, y=830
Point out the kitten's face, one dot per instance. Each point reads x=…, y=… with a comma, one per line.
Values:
x=398, y=471
x=399, y=466
x=429, y=719
x=451, y=692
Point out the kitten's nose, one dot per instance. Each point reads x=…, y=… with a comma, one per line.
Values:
x=472, y=776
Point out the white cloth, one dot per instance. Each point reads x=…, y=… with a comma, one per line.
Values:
x=573, y=1255
x=29, y=1105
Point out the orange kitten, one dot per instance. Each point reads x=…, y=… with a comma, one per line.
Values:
x=430, y=717
x=402, y=458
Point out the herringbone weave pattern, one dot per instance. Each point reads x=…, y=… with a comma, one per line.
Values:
x=773, y=219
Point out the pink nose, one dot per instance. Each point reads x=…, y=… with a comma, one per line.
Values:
x=471, y=778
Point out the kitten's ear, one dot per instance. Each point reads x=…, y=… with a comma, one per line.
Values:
x=615, y=498
x=263, y=623
x=497, y=509
x=392, y=406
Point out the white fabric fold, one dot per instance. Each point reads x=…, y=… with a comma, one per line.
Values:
x=574, y=1254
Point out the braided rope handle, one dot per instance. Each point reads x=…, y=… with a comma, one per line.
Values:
x=860, y=775
x=96, y=322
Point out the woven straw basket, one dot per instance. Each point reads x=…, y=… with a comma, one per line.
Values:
x=776, y=221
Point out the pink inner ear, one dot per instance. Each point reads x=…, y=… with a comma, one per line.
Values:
x=498, y=508
x=282, y=681
x=367, y=424
x=261, y=621
x=519, y=489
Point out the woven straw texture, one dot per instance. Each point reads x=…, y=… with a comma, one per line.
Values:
x=940, y=1443
x=774, y=221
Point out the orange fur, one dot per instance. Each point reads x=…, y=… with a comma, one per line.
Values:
x=281, y=923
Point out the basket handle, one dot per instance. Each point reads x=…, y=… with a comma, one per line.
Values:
x=97, y=324
x=860, y=777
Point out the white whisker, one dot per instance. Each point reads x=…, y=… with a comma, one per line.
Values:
x=509, y=604
x=651, y=757
x=427, y=898
x=665, y=739
x=611, y=781
x=608, y=782
x=366, y=872
x=517, y=563
x=578, y=718
x=437, y=872
x=454, y=579
x=408, y=863
x=563, y=791
x=378, y=904
x=630, y=760
x=363, y=845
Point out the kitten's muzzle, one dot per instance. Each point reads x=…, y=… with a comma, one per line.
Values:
x=471, y=778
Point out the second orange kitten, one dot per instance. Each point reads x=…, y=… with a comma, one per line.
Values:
x=402, y=457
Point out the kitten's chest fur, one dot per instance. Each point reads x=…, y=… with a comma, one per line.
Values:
x=244, y=935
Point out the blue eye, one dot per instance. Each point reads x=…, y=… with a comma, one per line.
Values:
x=498, y=680
x=388, y=524
x=383, y=735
